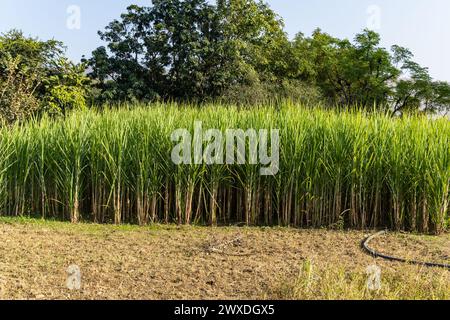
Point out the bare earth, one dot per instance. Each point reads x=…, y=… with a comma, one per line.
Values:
x=169, y=262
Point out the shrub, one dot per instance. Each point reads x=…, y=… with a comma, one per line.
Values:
x=66, y=89
x=261, y=93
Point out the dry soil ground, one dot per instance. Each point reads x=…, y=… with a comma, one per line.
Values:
x=169, y=262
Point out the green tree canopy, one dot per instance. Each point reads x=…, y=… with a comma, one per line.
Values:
x=363, y=73
x=35, y=76
x=186, y=49
x=347, y=73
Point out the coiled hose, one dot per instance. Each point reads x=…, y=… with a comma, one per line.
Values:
x=375, y=254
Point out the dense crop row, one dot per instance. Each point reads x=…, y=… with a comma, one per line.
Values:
x=342, y=169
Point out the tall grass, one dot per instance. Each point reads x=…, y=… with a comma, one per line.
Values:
x=346, y=168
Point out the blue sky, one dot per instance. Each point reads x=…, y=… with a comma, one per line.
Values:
x=421, y=25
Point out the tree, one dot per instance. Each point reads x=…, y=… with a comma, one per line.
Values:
x=164, y=51
x=33, y=53
x=418, y=91
x=36, y=77
x=187, y=50
x=364, y=74
x=359, y=73
x=254, y=35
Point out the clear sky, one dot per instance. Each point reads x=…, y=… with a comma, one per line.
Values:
x=421, y=25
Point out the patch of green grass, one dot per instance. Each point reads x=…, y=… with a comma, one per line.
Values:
x=96, y=228
x=87, y=227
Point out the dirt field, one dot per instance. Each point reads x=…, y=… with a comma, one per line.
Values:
x=169, y=262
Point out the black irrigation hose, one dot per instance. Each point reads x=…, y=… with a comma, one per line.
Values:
x=375, y=254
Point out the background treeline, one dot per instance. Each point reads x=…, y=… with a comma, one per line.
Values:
x=233, y=51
